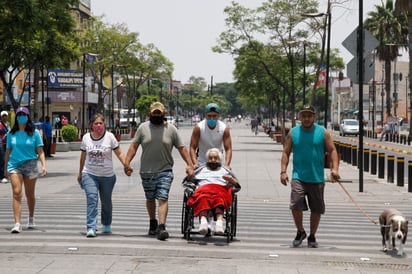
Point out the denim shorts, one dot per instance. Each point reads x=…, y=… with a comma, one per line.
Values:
x=27, y=169
x=157, y=185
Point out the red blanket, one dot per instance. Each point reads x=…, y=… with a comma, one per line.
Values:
x=210, y=196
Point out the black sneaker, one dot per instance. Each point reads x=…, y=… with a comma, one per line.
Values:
x=312, y=242
x=300, y=236
x=153, y=227
x=162, y=233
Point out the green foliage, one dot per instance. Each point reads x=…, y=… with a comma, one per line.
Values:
x=69, y=133
x=144, y=102
x=35, y=33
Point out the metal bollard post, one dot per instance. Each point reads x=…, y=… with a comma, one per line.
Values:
x=354, y=155
x=391, y=168
x=374, y=155
x=345, y=153
x=381, y=171
x=400, y=170
x=366, y=159
x=409, y=176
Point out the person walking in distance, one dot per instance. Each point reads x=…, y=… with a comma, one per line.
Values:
x=210, y=133
x=24, y=144
x=308, y=142
x=4, y=129
x=96, y=174
x=47, y=136
x=157, y=138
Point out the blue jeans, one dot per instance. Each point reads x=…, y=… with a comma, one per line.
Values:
x=93, y=187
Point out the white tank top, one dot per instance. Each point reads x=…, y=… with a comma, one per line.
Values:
x=210, y=138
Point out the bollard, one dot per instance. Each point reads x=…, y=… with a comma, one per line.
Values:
x=374, y=155
x=345, y=153
x=348, y=153
x=366, y=159
x=354, y=155
x=400, y=166
x=391, y=168
x=381, y=171
x=409, y=176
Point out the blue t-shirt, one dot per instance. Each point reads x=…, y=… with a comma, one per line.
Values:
x=23, y=147
x=308, y=148
x=47, y=129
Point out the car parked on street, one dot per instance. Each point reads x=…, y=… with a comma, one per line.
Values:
x=349, y=127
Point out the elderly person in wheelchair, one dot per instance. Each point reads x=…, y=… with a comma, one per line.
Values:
x=213, y=192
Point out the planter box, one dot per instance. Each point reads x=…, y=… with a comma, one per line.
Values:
x=74, y=146
x=62, y=147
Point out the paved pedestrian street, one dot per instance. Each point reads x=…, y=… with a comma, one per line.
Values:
x=349, y=242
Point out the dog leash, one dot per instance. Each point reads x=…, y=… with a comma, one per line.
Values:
x=355, y=203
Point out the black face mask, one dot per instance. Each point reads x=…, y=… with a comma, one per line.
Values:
x=157, y=120
x=213, y=166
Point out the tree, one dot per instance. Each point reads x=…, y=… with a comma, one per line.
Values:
x=390, y=28
x=35, y=33
x=119, y=49
x=283, y=34
x=405, y=7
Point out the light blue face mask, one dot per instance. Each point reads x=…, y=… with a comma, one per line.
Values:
x=22, y=119
x=211, y=123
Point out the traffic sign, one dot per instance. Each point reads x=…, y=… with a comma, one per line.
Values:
x=370, y=43
x=369, y=68
x=351, y=42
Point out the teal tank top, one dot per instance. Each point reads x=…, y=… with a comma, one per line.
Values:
x=308, y=147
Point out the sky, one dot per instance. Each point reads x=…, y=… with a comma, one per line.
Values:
x=186, y=30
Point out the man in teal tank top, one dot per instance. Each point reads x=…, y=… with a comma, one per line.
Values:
x=308, y=142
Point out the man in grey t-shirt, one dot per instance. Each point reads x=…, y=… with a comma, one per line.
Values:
x=157, y=139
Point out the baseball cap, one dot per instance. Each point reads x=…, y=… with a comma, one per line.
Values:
x=157, y=106
x=212, y=107
x=4, y=113
x=307, y=108
x=24, y=110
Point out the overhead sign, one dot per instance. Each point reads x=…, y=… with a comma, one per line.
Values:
x=64, y=78
x=351, y=44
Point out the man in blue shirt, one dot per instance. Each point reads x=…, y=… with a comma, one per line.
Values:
x=47, y=136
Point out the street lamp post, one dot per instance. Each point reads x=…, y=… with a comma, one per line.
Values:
x=83, y=91
x=327, y=65
x=327, y=27
x=304, y=73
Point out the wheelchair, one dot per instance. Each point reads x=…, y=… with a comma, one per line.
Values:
x=188, y=218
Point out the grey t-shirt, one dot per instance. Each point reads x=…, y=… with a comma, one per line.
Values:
x=157, y=144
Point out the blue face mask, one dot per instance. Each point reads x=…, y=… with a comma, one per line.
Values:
x=211, y=123
x=22, y=119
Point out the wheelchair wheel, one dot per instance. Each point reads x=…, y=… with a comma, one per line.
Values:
x=187, y=219
x=184, y=215
x=234, y=216
x=228, y=225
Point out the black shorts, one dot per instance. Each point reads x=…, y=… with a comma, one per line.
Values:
x=313, y=192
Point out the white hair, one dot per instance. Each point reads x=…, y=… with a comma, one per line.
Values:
x=216, y=150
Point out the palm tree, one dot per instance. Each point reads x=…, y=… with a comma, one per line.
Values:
x=405, y=7
x=389, y=27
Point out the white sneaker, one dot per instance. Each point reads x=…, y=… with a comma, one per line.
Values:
x=4, y=180
x=203, y=228
x=219, y=230
x=16, y=228
x=30, y=223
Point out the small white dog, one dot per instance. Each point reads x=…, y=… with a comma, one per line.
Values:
x=394, y=227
